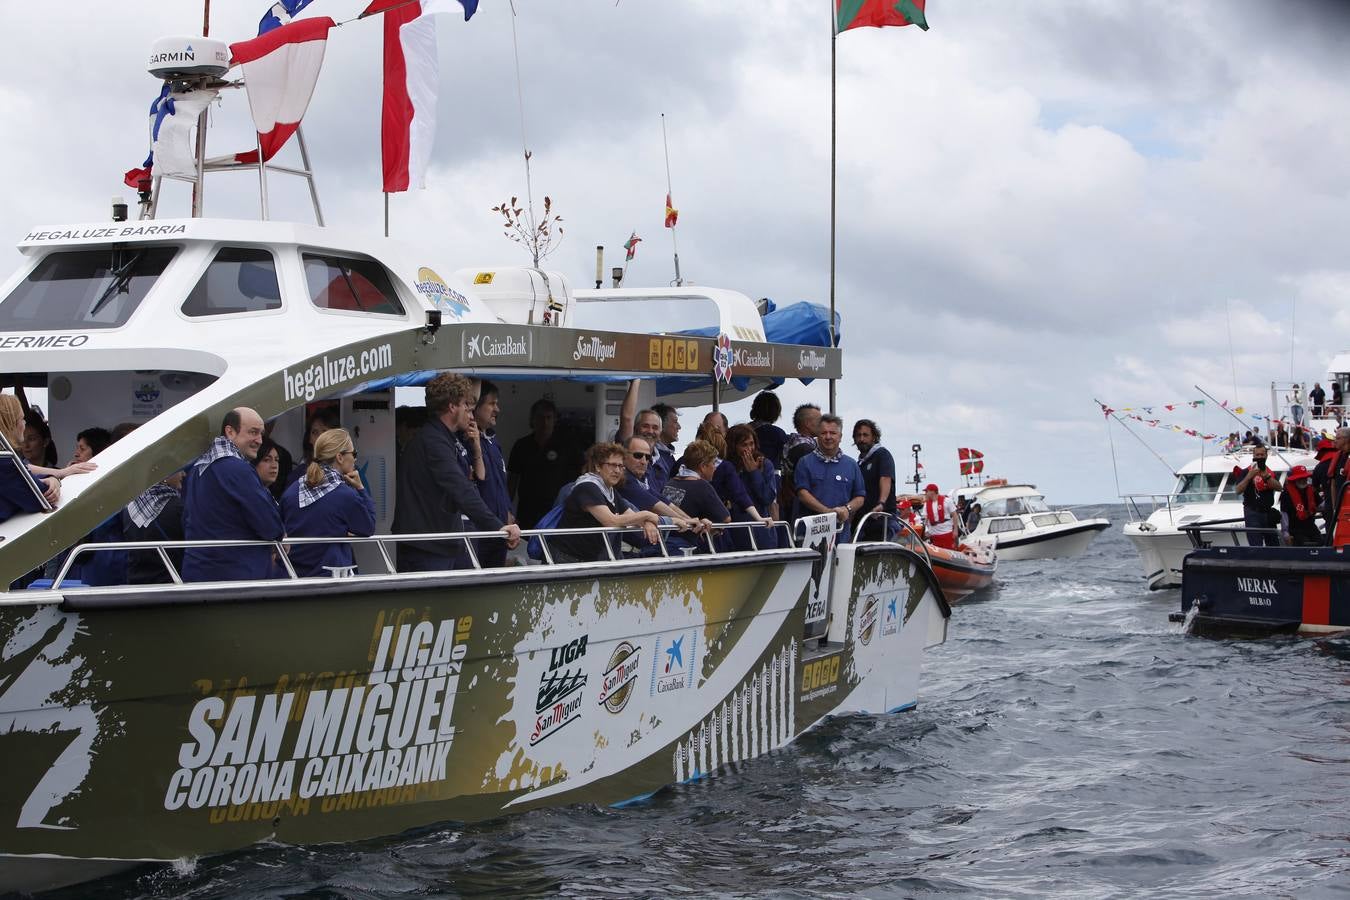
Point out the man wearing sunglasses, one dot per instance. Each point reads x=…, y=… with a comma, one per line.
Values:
x=637, y=488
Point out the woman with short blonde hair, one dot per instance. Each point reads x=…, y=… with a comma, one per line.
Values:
x=328, y=501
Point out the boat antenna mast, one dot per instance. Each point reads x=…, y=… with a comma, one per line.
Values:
x=917, y=479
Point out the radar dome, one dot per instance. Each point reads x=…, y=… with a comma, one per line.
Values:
x=173, y=58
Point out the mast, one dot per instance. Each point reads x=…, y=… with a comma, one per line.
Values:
x=834, y=38
x=199, y=185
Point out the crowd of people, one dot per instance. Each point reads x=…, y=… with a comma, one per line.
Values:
x=1286, y=513
x=453, y=475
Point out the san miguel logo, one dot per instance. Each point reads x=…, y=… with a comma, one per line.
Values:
x=673, y=662
x=393, y=731
x=593, y=348
x=867, y=622
x=439, y=294
x=559, y=699
x=616, y=685
x=810, y=360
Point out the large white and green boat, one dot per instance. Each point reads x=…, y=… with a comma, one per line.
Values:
x=151, y=723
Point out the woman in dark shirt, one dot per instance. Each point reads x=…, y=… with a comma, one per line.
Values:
x=692, y=491
x=329, y=501
x=760, y=480
x=594, y=501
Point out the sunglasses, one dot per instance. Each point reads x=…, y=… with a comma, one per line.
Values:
x=640, y=455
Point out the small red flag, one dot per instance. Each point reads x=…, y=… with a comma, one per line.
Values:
x=672, y=214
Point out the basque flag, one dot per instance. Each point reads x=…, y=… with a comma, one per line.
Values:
x=972, y=461
x=280, y=68
x=411, y=84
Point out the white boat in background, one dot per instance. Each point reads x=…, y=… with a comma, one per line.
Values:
x=1203, y=494
x=1016, y=519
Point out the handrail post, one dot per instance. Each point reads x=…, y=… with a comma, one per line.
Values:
x=168, y=566
x=388, y=560
x=285, y=561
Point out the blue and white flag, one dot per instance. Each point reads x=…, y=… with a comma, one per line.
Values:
x=280, y=14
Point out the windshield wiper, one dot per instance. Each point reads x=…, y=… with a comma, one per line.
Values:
x=121, y=276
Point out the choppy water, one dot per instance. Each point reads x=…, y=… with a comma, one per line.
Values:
x=1069, y=742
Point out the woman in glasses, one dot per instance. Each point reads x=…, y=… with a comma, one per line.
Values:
x=595, y=501
x=328, y=501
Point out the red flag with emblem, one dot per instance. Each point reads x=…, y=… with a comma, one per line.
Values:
x=972, y=461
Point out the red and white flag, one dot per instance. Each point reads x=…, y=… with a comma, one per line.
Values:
x=280, y=68
x=411, y=83
x=972, y=461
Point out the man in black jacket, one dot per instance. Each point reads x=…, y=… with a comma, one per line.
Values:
x=435, y=492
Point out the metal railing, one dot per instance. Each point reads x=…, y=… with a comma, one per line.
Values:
x=11, y=457
x=911, y=541
x=1231, y=527
x=381, y=542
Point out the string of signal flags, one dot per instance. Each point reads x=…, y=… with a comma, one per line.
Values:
x=1146, y=416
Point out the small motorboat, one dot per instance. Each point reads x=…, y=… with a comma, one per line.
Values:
x=963, y=571
x=960, y=572
x=1018, y=521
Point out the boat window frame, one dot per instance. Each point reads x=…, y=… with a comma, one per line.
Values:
x=1013, y=523
x=209, y=257
x=409, y=304
x=179, y=248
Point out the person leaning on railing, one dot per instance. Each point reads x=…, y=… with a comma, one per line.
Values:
x=328, y=501
x=16, y=479
x=595, y=501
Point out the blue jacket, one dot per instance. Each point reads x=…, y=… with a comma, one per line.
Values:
x=340, y=512
x=226, y=502
x=16, y=491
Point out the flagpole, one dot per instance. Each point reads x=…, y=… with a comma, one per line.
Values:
x=834, y=37
x=673, y=242
x=198, y=186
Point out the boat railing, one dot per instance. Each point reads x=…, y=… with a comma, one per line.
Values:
x=907, y=537
x=11, y=457
x=1233, y=528
x=382, y=542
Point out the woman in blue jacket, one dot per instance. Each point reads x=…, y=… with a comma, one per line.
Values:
x=329, y=501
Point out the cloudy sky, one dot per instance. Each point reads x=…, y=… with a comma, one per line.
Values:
x=1039, y=204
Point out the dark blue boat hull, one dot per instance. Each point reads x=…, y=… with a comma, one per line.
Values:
x=1267, y=590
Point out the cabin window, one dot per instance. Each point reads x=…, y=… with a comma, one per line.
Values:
x=994, y=508
x=1045, y=521
x=238, y=280
x=1036, y=504
x=1198, y=487
x=1001, y=525
x=84, y=289
x=350, y=284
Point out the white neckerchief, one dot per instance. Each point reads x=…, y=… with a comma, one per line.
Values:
x=686, y=472
x=592, y=478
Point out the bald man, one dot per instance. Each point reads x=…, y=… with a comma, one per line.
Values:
x=223, y=500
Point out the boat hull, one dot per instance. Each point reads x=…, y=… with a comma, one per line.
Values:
x=1267, y=590
x=1160, y=555
x=185, y=721
x=960, y=574
x=1069, y=540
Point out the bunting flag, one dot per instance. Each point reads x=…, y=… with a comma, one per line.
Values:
x=672, y=214
x=173, y=152
x=281, y=67
x=411, y=85
x=878, y=14
x=280, y=13
x=972, y=461
x=631, y=247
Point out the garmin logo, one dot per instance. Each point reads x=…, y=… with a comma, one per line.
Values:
x=175, y=56
x=753, y=359
x=1258, y=586
x=812, y=360
x=482, y=346
x=596, y=349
